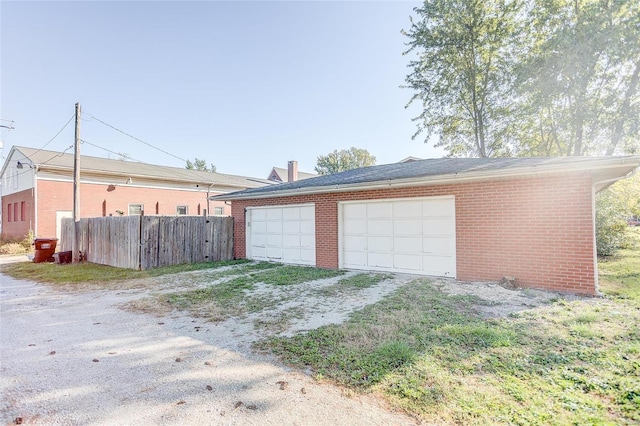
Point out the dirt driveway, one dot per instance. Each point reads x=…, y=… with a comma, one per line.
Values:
x=79, y=357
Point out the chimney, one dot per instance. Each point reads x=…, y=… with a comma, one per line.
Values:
x=292, y=170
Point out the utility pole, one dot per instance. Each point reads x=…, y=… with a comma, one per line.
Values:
x=75, y=246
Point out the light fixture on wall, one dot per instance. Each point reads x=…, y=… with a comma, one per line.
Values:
x=21, y=165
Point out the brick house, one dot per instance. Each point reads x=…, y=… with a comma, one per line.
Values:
x=470, y=219
x=37, y=190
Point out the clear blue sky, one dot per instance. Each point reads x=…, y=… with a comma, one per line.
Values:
x=244, y=85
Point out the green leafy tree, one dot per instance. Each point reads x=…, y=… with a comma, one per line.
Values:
x=578, y=83
x=340, y=161
x=201, y=165
x=462, y=73
x=614, y=206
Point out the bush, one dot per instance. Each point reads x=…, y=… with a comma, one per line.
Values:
x=613, y=206
x=15, y=246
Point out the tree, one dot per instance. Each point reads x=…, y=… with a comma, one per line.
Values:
x=340, y=161
x=200, y=165
x=614, y=206
x=578, y=85
x=462, y=74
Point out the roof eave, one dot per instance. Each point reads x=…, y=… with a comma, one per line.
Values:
x=629, y=163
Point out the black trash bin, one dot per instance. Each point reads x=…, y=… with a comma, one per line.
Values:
x=45, y=247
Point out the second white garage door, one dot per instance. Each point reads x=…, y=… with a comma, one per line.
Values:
x=283, y=234
x=409, y=235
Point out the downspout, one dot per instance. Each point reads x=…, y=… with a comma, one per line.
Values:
x=208, y=191
x=34, y=194
x=593, y=225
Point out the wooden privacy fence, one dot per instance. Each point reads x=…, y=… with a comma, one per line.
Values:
x=145, y=242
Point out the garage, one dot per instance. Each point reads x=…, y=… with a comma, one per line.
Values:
x=282, y=234
x=405, y=235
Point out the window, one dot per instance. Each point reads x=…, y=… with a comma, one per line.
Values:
x=136, y=209
x=181, y=210
x=15, y=181
x=9, y=212
x=22, y=211
x=218, y=211
x=15, y=212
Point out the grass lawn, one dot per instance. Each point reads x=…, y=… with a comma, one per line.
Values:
x=568, y=363
x=92, y=273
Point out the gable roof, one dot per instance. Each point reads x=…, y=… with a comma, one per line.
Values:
x=57, y=161
x=283, y=174
x=604, y=170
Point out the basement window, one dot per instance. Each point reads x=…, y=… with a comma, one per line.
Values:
x=136, y=209
x=181, y=210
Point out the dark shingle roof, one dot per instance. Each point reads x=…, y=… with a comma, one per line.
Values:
x=430, y=169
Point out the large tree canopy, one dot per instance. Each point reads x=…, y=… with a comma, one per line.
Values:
x=528, y=77
x=343, y=160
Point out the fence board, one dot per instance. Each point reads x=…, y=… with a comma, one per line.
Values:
x=145, y=242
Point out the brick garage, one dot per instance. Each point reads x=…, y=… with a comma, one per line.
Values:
x=527, y=218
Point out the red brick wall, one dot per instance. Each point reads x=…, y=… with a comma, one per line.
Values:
x=18, y=227
x=538, y=230
x=56, y=196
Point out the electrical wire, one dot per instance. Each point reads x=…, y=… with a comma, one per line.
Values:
x=137, y=139
x=119, y=154
x=56, y=135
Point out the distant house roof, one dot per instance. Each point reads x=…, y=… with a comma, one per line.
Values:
x=409, y=159
x=53, y=161
x=278, y=174
x=604, y=171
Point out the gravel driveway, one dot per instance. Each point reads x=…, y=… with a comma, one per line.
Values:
x=71, y=357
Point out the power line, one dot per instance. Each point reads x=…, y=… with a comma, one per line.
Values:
x=137, y=139
x=55, y=136
x=108, y=150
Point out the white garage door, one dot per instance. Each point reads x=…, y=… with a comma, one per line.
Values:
x=410, y=235
x=282, y=234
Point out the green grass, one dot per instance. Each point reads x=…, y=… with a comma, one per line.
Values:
x=353, y=283
x=93, y=273
x=574, y=362
x=232, y=296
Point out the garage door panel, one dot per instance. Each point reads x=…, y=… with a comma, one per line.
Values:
x=380, y=260
x=285, y=234
x=308, y=227
x=358, y=226
x=290, y=254
x=355, y=210
x=380, y=226
x=407, y=244
x=291, y=214
x=291, y=227
x=354, y=243
x=274, y=227
x=408, y=209
x=274, y=214
x=379, y=210
x=407, y=262
x=308, y=241
x=380, y=244
x=308, y=213
x=274, y=240
x=442, y=207
x=438, y=245
x=411, y=235
x=274, y=253
x=407, y=227
x=291, y=241
x=308, y=256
